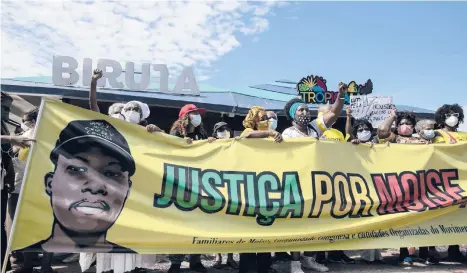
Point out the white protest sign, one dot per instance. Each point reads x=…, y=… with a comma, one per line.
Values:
x=373, y=108
x=65, y=73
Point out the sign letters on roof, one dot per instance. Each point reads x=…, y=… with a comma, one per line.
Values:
x=65, y=74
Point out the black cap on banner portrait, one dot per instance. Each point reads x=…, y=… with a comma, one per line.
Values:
x=80, y=135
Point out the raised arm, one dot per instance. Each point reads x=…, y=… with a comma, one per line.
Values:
x=384, y=129
x=331, y=117
x=348, y=122
x=97, y=74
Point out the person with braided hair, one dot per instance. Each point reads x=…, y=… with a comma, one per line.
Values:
x=189, y=126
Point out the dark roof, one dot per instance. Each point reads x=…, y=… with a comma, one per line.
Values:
x=271, y=96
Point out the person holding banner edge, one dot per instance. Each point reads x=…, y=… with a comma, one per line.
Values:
x=448, y=117
x=405, y=124
x=257, y=125
x=189, y=126
x=302, y=126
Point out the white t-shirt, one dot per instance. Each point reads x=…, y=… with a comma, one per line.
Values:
x=317, y=129
x=19, y=173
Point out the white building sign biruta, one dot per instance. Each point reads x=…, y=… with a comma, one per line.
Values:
x=67, y=75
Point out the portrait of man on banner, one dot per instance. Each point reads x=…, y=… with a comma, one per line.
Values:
x=88, y=187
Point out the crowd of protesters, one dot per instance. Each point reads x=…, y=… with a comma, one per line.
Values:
x=258, y=123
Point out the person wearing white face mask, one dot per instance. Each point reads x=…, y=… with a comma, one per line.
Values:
x=448, y=117
x=425, y=129
x=133, y=111
x=189, y=124
x=273, y=121
x=222, y=131
x=115, y=110
x=361, y=131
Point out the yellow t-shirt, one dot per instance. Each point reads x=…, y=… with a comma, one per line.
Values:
x=449, y=138
x=23, y=154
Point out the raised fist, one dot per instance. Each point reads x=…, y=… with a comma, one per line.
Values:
x=97, y=74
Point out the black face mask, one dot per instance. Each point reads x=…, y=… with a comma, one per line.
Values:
x=303, y=119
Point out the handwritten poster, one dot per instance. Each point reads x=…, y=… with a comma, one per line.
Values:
x=374, y=108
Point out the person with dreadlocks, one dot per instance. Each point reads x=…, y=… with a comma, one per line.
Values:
x=448, y=117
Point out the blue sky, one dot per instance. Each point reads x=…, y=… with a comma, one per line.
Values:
x=416, y=52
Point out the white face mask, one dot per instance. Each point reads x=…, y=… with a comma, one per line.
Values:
x=272, y=124
x=195, y=120
x=452, y=121
x=223, y=135
x=364, y=135
x=132, y=116
x=428, y=134
x=119, y=116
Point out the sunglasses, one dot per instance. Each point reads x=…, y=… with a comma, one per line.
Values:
x=452, y=115
x=362, y=129
x=265, y=117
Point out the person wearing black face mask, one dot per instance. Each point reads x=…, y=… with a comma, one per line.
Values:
x=299, y=113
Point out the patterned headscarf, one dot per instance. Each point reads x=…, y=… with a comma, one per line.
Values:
x=253, y=117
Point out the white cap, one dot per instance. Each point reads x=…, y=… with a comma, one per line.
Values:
x=144, y=108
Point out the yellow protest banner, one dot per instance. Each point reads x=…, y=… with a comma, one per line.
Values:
x=99, y=184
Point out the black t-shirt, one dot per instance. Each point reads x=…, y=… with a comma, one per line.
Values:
x=194, y=135
x=7, y=163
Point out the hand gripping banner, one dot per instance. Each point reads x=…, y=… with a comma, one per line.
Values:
x=98, y=184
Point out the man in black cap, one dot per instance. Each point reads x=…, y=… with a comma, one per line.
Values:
x=221, y=131
x=88, y=187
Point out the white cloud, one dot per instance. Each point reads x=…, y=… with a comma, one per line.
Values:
x=174, y=33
